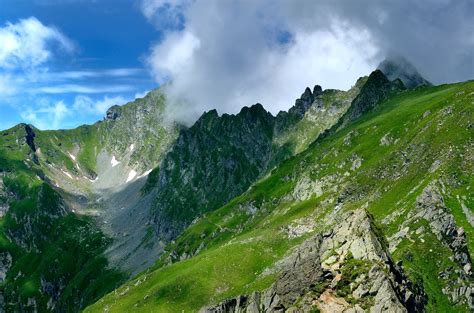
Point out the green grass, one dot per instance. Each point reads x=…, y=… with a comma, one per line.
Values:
x=238, y=245
x=45, y=241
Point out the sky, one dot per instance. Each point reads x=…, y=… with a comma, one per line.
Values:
x=64, y=62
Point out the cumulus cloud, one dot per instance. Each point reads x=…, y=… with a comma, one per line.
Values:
x=164, y=14
x=28, y=44
x=228, y=54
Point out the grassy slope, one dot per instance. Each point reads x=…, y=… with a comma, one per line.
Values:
x=141, y=123
x=55, y=245
x=44, y=240
x=242, y=246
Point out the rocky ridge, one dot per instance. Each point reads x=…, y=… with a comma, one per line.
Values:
x=219, y=157
x=346, y=269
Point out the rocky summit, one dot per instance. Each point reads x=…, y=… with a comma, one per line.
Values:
x=351, y=201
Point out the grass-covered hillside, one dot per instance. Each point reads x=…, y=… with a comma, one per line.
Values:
x=408, y=162
x=52, y=243
x=50, y=258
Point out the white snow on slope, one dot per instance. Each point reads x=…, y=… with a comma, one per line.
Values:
x=114, y=161
x=91, y=180
x=131, y=175
x=67, y=174
x=72, y=156
x=132, y=146
x=145, y=174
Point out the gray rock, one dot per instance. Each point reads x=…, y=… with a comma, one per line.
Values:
x=5, y=264
x=306, y=268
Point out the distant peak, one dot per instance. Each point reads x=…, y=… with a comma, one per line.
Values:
x=399, y=68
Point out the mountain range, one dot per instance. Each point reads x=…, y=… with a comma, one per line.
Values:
x=350, y=201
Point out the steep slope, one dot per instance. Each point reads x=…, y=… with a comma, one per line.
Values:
x=408, y=162
x=219, y=157
x=100, y=170
x=50, y=259
x=350, y=261
x=58, y=189
x=96, y=176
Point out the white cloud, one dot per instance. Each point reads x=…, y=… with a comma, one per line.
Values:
x=173, y=56
x=7, y=87
x=164, y=14
x=46, y=115
x=228, y=54
x=28, y=43
x=75, y=88
x=141, y=94
x=115, y=72
x=86, y=105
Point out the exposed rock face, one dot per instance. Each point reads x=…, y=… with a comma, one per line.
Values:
x=213, y=161
x=5, y=264
x=304, y=102
x=113, y=112
x=3, y=197
x=430, y=206
x=218, y=158
x=344, y=270
x=376, y=89
x=30, y=137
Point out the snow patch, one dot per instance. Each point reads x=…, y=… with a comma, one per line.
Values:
x=132, y=146
x=114, y=161
x=72, y=156
x=91, y=180
x=145, y=174
x=67, y=174
x=131, y=175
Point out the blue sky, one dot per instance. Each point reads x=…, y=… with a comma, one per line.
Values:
x=104, y=64
x=64, y=62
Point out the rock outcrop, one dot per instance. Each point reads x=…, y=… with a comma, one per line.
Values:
x=430, y=206
x=347, y=269
x=219, y=157
x=113, y=113
x=376, y=89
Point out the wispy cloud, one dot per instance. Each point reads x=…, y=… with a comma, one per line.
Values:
x=165, y=14
x=116, y=72
x=46, y=115
x=37, y=87
x=86, y=105
x=28, y=44
x=75, y=88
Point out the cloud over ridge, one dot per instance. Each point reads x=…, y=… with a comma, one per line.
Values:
x=230, y=54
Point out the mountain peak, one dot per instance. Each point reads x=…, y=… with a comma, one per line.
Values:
x=400, y=68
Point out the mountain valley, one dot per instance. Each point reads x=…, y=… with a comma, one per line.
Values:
x=350, y=201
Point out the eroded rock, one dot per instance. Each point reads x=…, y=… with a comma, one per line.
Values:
x=347, y=269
